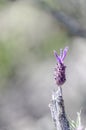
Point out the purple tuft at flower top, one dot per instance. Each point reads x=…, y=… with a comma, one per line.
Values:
x=59, y=71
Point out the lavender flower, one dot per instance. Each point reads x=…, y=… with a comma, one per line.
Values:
x=59, y=72
x=57, y=103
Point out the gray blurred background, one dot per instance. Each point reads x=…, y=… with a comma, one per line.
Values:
x=29, y=32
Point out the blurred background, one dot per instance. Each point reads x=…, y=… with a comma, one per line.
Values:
x=29, y=32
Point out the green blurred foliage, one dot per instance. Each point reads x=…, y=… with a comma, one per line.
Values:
x=10, y=56
x=5, y=59
x=51, y=3
x=3, y=3
x=54, y=42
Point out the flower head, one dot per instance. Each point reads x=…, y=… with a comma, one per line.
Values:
x=59, y=72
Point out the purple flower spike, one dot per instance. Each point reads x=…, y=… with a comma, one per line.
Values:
x=59, y=72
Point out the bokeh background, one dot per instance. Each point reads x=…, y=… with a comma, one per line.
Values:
x=29, y=32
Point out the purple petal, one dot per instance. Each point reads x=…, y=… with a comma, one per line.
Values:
x=61, y=53
x=57, y=57
x=64, y=53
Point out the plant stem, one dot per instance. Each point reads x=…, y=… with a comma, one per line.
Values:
x=58, y=111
